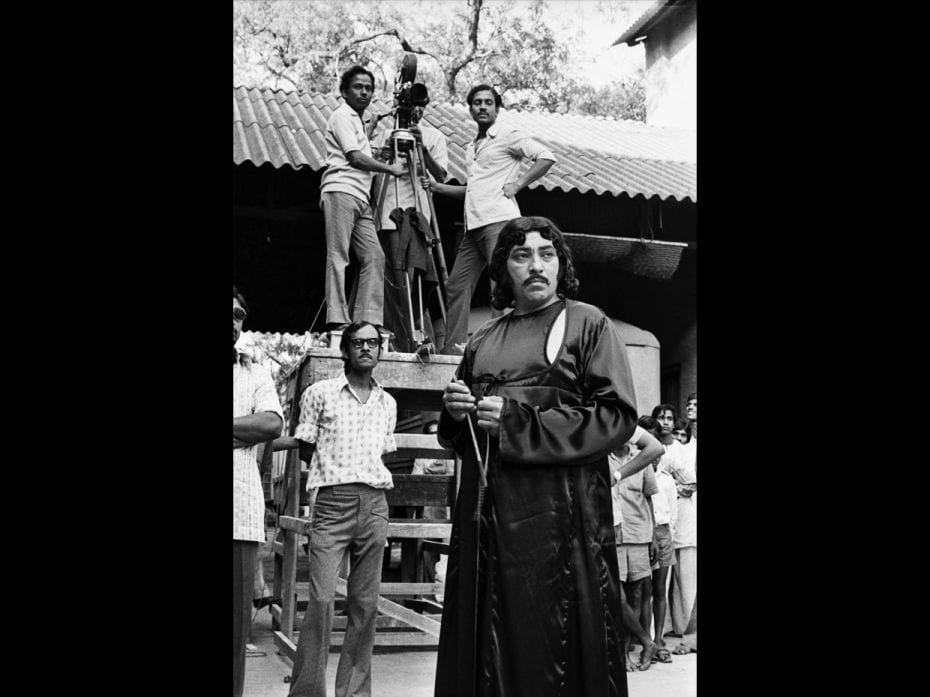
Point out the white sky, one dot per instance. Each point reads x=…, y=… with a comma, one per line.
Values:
x=595, y=23
x=600, y=25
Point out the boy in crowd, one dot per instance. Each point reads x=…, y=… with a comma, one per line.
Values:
x=633, y=523
x=665, y=509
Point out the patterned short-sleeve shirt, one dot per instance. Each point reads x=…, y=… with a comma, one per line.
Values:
x=253, y=392
x=350, y=436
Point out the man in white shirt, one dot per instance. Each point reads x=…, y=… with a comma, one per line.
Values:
x=689, y=636
x=627, y=468
x=665, y=508
x=684, y=572
x=257, y=417
x=493, y=160
x=346, y=202
x=399, y=195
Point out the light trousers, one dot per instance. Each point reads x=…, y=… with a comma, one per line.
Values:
x=350, y=226
x=683, y=587
x=349, y=518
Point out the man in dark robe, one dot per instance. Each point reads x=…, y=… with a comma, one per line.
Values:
x=543, y=394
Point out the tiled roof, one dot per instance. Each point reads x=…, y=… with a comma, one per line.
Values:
x=606, y=156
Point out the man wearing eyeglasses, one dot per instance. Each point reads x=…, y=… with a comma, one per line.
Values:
x=257, y=417
x=346, y=425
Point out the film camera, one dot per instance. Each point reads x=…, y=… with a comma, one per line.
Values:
x=407, y=96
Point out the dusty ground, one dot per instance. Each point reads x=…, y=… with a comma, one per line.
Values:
x=411, y=673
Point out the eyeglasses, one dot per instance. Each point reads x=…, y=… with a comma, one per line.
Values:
x=238, y=314
x=372, y=343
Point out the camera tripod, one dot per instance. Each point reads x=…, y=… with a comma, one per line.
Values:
x=403, y=145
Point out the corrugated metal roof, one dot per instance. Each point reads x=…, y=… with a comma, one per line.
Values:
x=606, y=156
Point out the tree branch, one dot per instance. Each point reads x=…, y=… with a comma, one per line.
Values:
x=473, y=32
x=455, y=68
x=388, y=32
x=404, y=44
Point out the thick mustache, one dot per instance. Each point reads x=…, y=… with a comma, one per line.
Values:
x=533, y=279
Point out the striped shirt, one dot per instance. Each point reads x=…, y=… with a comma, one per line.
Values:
x=350, y=436
x=253, y=393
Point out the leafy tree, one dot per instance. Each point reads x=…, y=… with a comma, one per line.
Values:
x=623, y=99
x=306, y=45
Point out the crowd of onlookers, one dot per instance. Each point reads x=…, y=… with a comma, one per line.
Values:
x=655, y=519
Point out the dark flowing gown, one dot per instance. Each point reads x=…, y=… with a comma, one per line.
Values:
x=532, y=595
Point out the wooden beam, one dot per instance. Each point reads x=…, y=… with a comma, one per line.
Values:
x=425, y=527
x=393, y=639
x=421, y=490
x=298, y=525
x=392, y=609
x=289, y=649
x=434, y=546
x=286, y=646
x=381, y=622
x=397, y=527
x=412, y=588
x=422, y=445
x=395, y=371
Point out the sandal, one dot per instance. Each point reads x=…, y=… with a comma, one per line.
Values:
x=663, y=655
x=682, y=650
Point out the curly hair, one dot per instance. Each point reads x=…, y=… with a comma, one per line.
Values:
x=514, y=233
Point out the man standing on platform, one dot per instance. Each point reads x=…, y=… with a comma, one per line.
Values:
x=399, y=196
x=532, y=595
x=346, y=202
x=257, y=417
x=493, y=159
x=346, y=425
